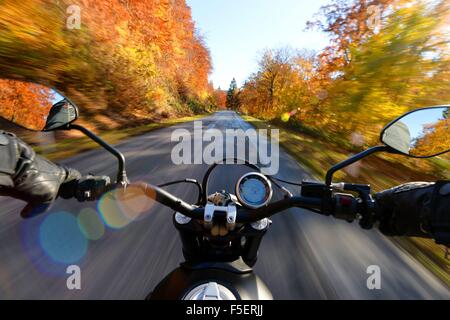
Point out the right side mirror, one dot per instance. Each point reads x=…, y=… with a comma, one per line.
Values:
x=422, y=133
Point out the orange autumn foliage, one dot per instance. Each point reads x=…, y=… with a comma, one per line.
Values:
x=129, y=58
x=435, y=139
x=24, y=103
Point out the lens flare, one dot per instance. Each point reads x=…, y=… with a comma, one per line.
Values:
x=36, y=255
x=134, y=202
x=120, y=207
x=61, y=238
x=285, y=117
x=91, y=225
x=5, y=285
x=110, y=211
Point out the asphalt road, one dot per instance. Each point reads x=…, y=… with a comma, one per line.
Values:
x=303, y=256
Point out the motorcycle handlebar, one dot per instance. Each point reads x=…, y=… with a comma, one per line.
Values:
x=243, y=215
x=169, y=200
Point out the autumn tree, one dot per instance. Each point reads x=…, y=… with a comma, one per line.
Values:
x=220, y=98
x=393, y=71
x=348, y=23
x=434, y=139
x=286, y=81
x=384, y=58
x=130, y=57
x=25, y=104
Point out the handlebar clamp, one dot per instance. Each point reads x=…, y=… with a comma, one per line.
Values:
x=230, y=210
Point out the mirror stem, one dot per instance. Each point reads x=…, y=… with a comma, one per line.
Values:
x=353, y=159
x=121, y=174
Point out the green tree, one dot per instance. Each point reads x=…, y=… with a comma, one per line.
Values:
x=233, y=96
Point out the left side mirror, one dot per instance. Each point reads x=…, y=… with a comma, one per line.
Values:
x=35, y=106
x=422, y=133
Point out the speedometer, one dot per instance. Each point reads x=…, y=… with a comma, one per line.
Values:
x=254, y=190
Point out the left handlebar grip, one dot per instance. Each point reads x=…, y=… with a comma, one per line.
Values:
x=170, y=200
x=91, y=188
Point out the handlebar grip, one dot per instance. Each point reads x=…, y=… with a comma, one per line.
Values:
x=88, y=188
x=170, y=201
x=345, y=206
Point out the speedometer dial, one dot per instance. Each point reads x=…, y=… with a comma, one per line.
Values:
x=254, y=190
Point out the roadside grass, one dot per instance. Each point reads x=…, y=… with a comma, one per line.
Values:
x=379, y=171
x=428, y=253
x=68, y=147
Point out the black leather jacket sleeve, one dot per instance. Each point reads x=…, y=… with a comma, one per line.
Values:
x=8, y=159
x=30, y=177
x=417, y=209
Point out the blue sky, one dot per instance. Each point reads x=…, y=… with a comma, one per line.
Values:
x=416, y=120
x=237, y=30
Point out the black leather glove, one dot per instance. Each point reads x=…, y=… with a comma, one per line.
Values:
x=417, y=209
x=32, y=178
x=91, y=188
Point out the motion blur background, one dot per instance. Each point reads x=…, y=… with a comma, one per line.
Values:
x=135, y=65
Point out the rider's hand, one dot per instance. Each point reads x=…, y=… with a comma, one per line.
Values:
x=90, y=188
x=416, y=209
x=35, y=179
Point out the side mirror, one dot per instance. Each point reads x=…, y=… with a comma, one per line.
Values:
x=35, y=106
x=422, y=133
x=61, y=114
x=39, y=108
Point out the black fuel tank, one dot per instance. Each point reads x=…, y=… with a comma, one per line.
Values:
x=240, y=280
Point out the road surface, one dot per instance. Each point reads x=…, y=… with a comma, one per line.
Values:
x=303, y=256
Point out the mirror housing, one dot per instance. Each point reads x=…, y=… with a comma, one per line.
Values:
x=61, y=114
x=421, y=133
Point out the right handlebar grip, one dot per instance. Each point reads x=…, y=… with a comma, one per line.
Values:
x=345, y=206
